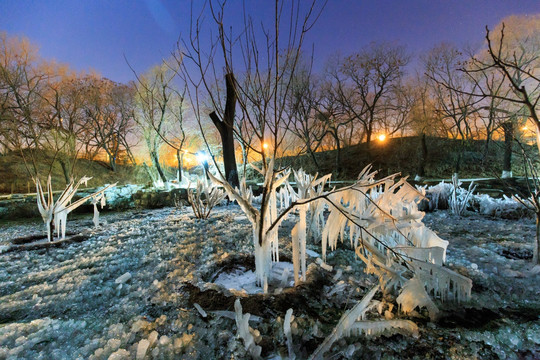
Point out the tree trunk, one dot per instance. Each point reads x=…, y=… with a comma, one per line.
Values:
x=244, y=159
x=458, y=163
x=65, y=170
x=155, y=161
x=461, y=150
x=536, y=251
x=312, y=153
x=225, y=128
x=508, y=128
x=112, y=164
x=149, y=172
x=423, y=156
x=338, y=154
x=180, y=164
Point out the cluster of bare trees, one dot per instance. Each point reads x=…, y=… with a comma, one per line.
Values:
x=455, y=93
x=356, y=97
x=51, y=114
x=46, y=108
x=263, y=97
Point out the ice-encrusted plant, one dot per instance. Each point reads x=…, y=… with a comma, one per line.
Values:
x=56, y=212
x=308, y=187
x=381, y=220
x=385, y=229
x=264, y=217
x=249, y=335
x=354, y=321
x=204, y=198
x=102, y=201
x=459, y=199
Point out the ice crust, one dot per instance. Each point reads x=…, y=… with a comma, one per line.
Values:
x=65, y=303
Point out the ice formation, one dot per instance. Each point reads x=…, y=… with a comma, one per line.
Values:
x=98, y=199
x=264, y=220
x=386, y=230
x=353, y=322
x=58, y=211
x=245, y=332
x=204, y=198
x=459, y=199
x=287, y=332
x=309, y=187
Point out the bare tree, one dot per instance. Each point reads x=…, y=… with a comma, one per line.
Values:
x=262, y=87
x=454, y=103
x=109, y=110
x=334, y=118
x=63, y=113
x=518, y=69
x=22, y=83
x=516, y=62
x=301, y=109
x=160, y=114
x=425, y=119
x=370, y=76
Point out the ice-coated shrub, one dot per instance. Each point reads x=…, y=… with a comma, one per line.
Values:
x=381, y=220
x=204, y=198
x=459, y=198
x=56, y=212
x=505, y=207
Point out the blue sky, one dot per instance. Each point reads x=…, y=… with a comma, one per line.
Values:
x=97, y=33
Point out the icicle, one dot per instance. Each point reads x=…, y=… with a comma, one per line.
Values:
x=245, y=332
x=414, y=295
x=302, y=238
x=288, y=334
x=295, y=253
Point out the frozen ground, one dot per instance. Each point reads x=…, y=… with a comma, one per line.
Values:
x=122, y=293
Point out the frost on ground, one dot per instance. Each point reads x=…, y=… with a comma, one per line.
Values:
x=120, y=294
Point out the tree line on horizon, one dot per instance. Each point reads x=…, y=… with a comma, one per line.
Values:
x=253, y=112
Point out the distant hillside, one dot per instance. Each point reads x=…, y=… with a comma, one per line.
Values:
x=14, y=178
x=404, y=154
x=394, y=155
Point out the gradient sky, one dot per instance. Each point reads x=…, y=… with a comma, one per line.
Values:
x=97, y=33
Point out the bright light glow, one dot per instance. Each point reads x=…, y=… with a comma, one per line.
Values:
x=381, y=137
x=525, y=128
x=265, y=146
x=202, y=157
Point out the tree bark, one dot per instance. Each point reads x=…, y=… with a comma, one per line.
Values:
x=180, y=164
x=65, y=170
x=313, y=158
x=149, y=172
x=225, y=128
x=508, y=128
x=536, y=251
x=155, y=160
x=423, y=156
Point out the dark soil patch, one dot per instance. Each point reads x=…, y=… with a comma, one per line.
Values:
x=228, y=265
x=33, y=238
x=468, y=318
x=304, y=297
x=45, y=245
x=516, y=253
x=486, y=319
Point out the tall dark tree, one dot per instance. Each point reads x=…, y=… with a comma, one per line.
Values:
x=225, y=127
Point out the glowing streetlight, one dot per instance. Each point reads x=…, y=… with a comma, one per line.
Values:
x=202, y=157
x=381, y=137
